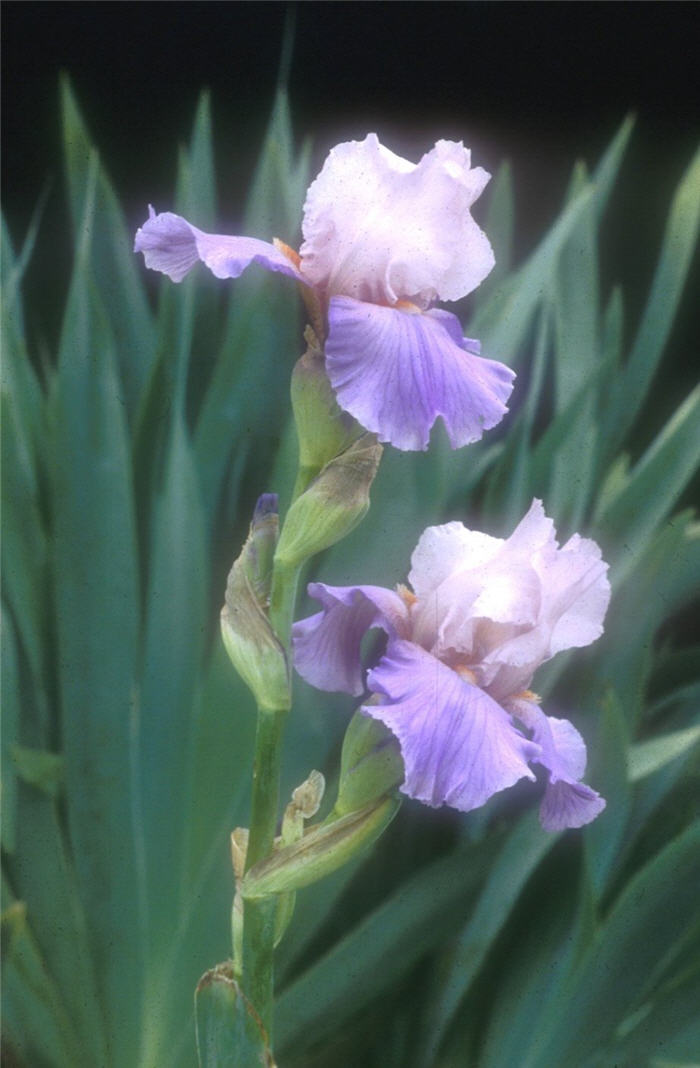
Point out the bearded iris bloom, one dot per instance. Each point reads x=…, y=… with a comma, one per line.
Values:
x=462, y=649
x=383, y=240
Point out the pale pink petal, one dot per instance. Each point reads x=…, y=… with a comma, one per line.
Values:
x=379, y=228
x=442, y=551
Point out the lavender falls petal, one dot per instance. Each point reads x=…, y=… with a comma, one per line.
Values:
x=397, y=372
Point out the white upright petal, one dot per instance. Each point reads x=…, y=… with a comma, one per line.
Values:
x=381, y=229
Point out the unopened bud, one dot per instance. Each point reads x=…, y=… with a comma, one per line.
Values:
x=321, y=851
x=335, y=502
x=323, y=429
x=370, y=764
x=249, y=639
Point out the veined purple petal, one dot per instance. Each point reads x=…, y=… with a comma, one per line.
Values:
x=172, y=245
x=396, y=372
x=569, y=804
x=327, y=645
x=459, y=747
x=567, y=801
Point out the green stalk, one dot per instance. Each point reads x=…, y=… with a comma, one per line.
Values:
x=259, y=916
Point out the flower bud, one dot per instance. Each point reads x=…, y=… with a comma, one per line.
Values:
x=370, y=764
x=334, y=503
x=323, y=430
x=249, y=639
x=321, y=851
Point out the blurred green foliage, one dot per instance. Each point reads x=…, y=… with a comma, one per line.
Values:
x=132, y=456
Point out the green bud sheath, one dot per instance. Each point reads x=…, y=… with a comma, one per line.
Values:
x=323, y=430
x=321, y=851
x=229, y=1031
x=370, y=764
x=334, y=502
x=250, y=641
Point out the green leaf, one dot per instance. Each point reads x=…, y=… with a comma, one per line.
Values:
x=39, y=768
x=660, y=581
x=382, y=947
x=499, y=225
x=652, y=913
x=677, y=249
x=503, y=322
x=644, y=758
x=37, y=1028
x=114, y=269
x=536, y=956
x=669, y=1025
x=24, y=544
x=513, y=481
x=174, y=630
x=576, y=364
x=97, y=624
x=229, y=1031
x=604, y=838
x=630, y=518
x=522, y=852
x=196, y=190
x=13, y=270
x=9, y=681
x=43, y=877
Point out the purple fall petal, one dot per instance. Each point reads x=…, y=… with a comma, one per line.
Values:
x=172, y=245
x=567, y=801
x=569, y=804
x=396, y=372
x=327, y=645
x=459, y=747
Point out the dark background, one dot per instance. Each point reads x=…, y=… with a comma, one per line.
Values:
x=539, y=83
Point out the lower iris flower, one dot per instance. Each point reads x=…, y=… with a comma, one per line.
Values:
x=462, y=648
x=384, y=240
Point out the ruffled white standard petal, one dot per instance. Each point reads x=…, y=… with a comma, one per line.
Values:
x=397, y=372
x=458, y=746
x=573, y=598
x=327, y=645
x=507, y=606
x=172, y=245
x=442, y=551
x=567, y=801
x=379, y=228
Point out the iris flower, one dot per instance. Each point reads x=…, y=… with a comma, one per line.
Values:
x=462, y=648
x=383, y=240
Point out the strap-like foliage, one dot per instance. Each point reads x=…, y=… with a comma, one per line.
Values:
x=132, y=452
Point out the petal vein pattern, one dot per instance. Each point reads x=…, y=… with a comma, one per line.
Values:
x=459, y=747
x=396, y=372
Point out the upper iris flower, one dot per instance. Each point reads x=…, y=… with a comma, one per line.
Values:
x=383, y=240
x=462, y=649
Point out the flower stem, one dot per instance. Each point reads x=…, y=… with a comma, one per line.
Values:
x=285, y=580
x=259, y=916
